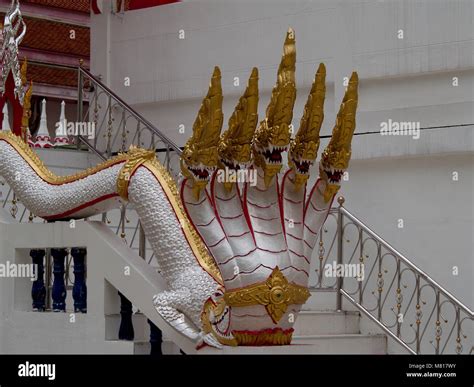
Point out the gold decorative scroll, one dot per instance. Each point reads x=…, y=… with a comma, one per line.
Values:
x=42, y=171
x=136, y=157
x=276, y=293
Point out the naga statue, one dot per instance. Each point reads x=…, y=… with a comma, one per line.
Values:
x=235, y=255
x=262, y=235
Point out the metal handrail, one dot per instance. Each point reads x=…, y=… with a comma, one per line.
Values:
x=82, y=71
x=405, y=260
x=376, y=308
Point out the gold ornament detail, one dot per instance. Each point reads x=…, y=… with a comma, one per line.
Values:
x=276, y=293
x=25, y=118
x=304, y=147
x=337, y=154
x=198, y=247
x=234, y=147
x=275, y=336
x=275, y=128
x=216, y=309
x=42, y=171
x=23, y=70
x=136, y=157
x=199, y=155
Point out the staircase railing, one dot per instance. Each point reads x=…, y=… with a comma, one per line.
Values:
x=384, y=285
x=113, y=120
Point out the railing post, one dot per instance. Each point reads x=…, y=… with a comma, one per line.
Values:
x=141, y=242
x=38, y=290
x=47, y=278
x=340, y=239
x=80, y=98
x=79, y=290
x=156, y=336
x=59, y=287
x=156, y=339
x=126, y=331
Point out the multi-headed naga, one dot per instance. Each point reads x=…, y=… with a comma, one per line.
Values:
x=235, y=254
x=262, y=235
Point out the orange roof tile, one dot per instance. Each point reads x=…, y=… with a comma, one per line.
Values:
x=52, y=36
x=73, y=5
x=51, y=75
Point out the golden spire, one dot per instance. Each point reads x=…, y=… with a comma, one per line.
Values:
x=337, y=154
x=304, y=147
x=200, y=151
x=235, y=143
x=274, y=130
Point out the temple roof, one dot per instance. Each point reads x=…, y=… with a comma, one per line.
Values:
x=72, y=5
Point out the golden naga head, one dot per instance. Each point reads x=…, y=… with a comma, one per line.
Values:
x=199, y=157
x=26, y=111
x=23, y=70
x=304, y=147
x=336, y=156
x=235, y=143
x=272, y=137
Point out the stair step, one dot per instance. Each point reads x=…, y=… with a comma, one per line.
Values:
x=325, y=300
x=321, y=300
x=316, y=344
x=326, y=323
x=343, y=344
x=141, y=347
x=323, y=344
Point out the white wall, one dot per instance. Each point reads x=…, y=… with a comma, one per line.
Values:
x=408, y=79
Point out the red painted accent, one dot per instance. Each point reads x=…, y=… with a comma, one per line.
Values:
x=299, y=255
x=239, y=235
x=248, y=272
x=258, y=206
x=232, y=217
x=95, y=7
x=206, y=224
x=246, y=211
x=266, y=267
x=225, y=200
x=310, y=196
x=9, y=95
x=268, y=234
x=264, y=219
x=181, y=194
x=81, y=207
x=312, y=232
x=295, y=237
x=238, y=256
x=270, y=251
x=293, y=221
x=219, y=241
x=140, y=4
x=292, y=201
